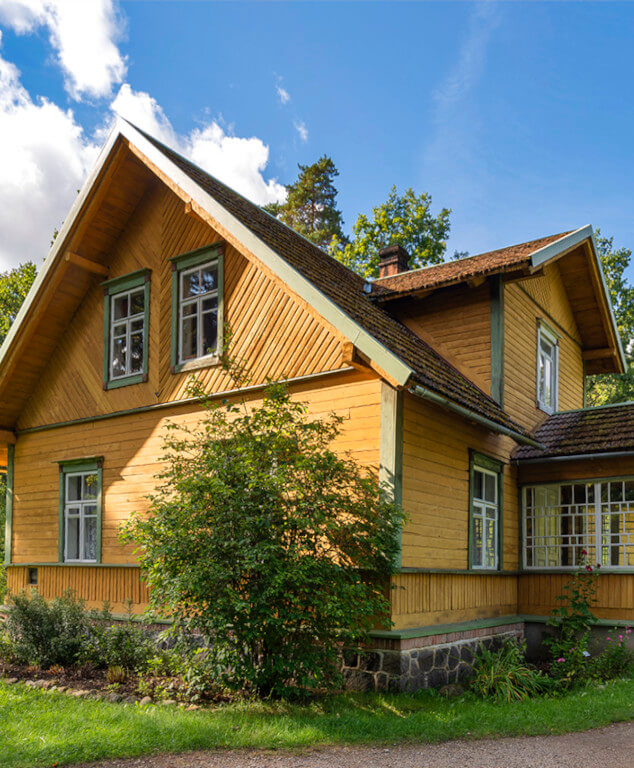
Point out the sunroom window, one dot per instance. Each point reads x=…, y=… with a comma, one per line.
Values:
x=547, y=369
x=563, y=520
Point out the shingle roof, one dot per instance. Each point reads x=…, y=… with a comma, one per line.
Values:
x=450, y=272
x=593, y=430
x=345, y=288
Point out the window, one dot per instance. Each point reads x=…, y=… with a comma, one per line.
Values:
x=126, y=326
x=547, y=365
x=197, y=308
x=485, y=523
x=562, y=520
x=80, y=512
x=32, y=577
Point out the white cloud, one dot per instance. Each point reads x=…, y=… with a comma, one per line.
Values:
x=44, y=157
x=284, y=95
x=238, y=162
x=82, y=32
x=302, y=130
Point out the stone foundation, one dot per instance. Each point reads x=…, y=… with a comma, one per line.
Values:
x=422, y=662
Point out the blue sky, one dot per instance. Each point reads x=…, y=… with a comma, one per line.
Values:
x=518, y=116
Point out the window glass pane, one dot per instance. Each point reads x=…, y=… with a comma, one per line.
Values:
x=118, y=357
x=120, y=307
x=210, y=304
x=478, y=484
x=580, y=494
x=490, y=493
x=477, y=541
x=190, y=309
x=616, y=491
x=189, y=338
x=90, y=487
x=73, y=488
x=629, y=490
x=490, y=543
x=566, y=494
x=210, y=332
x=72, y=538
x=136, y=352
x=137, y=301
x=136, y=325
x=90, y=538
x=190, y=284
x=209, y=279
x=119, y=330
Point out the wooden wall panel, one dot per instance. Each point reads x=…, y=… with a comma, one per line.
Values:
x=122, y=587
x=457, y=323
x=424, y=599
x=131, y=446
x=556, y=471
x=521, y=315
x=436, y=447
x=537, y=594
x=275, y=332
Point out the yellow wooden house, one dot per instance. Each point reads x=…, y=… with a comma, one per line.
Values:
x=462, y=386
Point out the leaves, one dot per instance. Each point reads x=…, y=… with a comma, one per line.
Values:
x=14, y=285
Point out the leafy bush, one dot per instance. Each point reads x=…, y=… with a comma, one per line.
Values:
x=268, y=544
x=503, y=674
x=119, y=644
x=47, y=633
x=616, y=660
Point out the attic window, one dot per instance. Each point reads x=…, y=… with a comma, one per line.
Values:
x=547, y=368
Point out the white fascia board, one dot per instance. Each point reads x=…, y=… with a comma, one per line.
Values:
x=570, y=241
x=333, y=314
x=59, y=242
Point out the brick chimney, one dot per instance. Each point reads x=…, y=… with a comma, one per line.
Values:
x=392, y=260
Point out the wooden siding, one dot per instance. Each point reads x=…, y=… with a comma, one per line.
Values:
x=537, y=594
x=424, y=599
x=131, y=447
x=436, y=447
x=575, y=469
x=274, y=331
x=525, y=303
x=457, y=323
x=122, y=587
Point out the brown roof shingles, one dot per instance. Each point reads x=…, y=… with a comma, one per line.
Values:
x=605, y=429
x=450, y=272
x=345, y=289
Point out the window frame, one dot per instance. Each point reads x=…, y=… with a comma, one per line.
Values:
x=116, y=287
x=479, y=462
x=69, y=469
x=551, y=337
x=182, y=264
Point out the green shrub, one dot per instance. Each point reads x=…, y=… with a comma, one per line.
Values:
x=616, y=660
x=47, y=633
x=119, y=644
x=503, y=674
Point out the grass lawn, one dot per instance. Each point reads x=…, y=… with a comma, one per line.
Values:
x=42, y=729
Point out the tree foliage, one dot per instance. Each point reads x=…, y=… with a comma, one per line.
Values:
x=266, y=542
x=311, y=203
x=616, y=388
x=14, y=285
x=405, y=220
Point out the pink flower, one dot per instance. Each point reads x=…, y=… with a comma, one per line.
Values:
x=598, y=565
x=560, y=660
x=589, y=568
x=584, y=552
x=608, y=639
x=620, y=637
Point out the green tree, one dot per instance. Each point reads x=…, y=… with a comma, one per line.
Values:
x=14, y=285
x=3, y=501
x=267, y=543
x=405, y=220
x=616, y=388
x=311, y=203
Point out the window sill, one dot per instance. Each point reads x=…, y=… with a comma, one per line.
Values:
x=195, y=365
x=138, y=378
x=545, y=408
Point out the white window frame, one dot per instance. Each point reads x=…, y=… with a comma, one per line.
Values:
x=198, y=300
x=479, y=509
x=546, y=334
x=128, y=323
x=82, y=516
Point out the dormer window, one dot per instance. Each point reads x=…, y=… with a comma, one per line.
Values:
x=547, y=368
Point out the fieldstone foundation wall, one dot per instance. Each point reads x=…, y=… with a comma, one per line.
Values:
x=422, y=662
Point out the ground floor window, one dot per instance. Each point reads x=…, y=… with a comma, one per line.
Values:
x=80, y=512
x=485, y=524
x=563, y=520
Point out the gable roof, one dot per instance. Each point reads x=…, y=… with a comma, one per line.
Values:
x=604, y=429
x=335, y=291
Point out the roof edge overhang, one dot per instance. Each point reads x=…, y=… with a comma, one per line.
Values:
x=573, y=457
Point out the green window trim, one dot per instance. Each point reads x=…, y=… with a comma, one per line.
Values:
x=180, y=263
x=482, y=461
x=8, y=526
x=112, y=287
x=94, y=464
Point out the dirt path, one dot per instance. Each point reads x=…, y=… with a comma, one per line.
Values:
x=611, y=747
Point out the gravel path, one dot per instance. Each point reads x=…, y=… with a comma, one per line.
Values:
x=611, y=747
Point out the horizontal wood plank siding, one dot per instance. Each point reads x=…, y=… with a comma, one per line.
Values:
x=436, y=447
x=424, y=599
x=586, y=469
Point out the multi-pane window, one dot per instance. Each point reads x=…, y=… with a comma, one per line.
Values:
x=127, y=333
x=547, y=369
x=561, y=521
x=485, y=514
x=198, y=312
x=81, y=498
